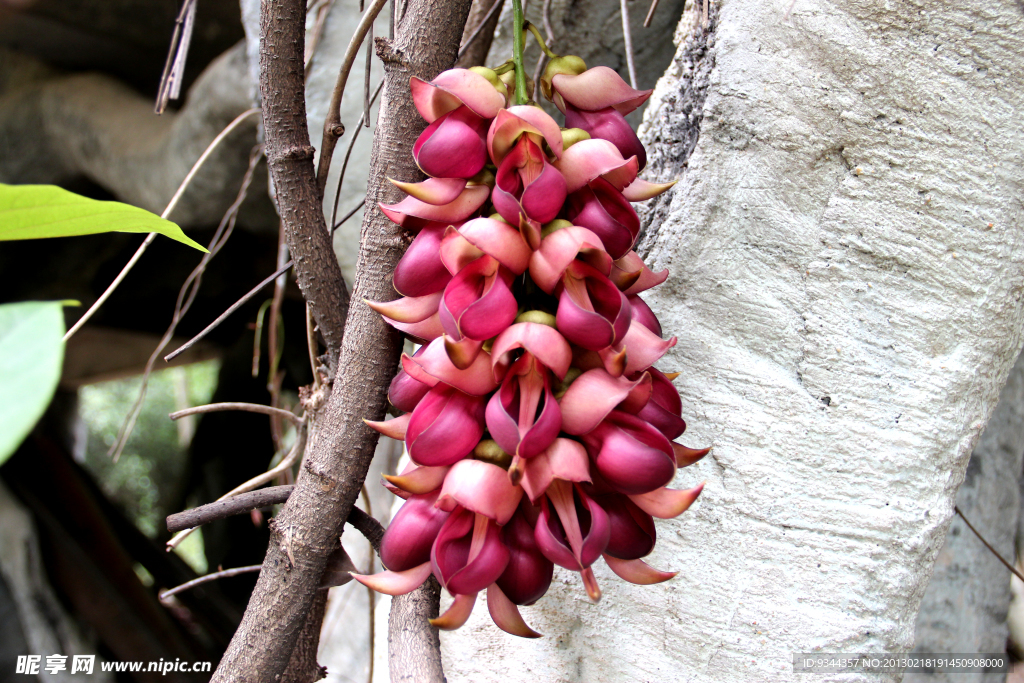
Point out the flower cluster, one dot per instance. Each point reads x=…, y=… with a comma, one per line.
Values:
x=538, y=430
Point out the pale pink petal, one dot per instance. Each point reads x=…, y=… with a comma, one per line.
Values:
x=435, y=364
x=408, y=309
x=687, y=456
x=424, y=331
x=564, y=459
x=509, y=124
x=590, y=398
x=596, y=158
x=543, y=122
x=396, y=583
x=597, y=88
x=506, y=615
x=560, y=248
x=485, y=236
x=393, y=428
x=452, y=89
x=631, y=263
x=481, y=487
x=418, y=479
x=666, y=503
x=641, y=190
x=543, y=341
x=410, y=208
x=643, y=347
x=436, y=191
x=457, y=614
x=637, y=571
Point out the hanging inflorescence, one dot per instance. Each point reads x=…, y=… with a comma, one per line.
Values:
x=538, y=430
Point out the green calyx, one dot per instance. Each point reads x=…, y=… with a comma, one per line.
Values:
x=569, y=64
x=488, y=450
x=491, y=77
x=570, y=136
x=536, y=317
x=554, y=225
x=561, y=387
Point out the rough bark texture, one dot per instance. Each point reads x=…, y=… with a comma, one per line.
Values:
x=341, y=447
x=303, y=666
x=290, y=157
x=476, y=53
x=847, y=268
x=413, y=651
x=968, y=597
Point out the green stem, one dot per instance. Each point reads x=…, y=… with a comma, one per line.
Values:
x=522, y=97
x=540, y=41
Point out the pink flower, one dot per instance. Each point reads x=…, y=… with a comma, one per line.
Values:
x=572, y=531
x=560, y=248
x=664, y=409
x=478, y=303
x=414, y=213
x=592, y=312
x=631, y=455
x=420, y=271
x=445, y=426
x=632, y=530
x=406, y=392
x=528, y=574
x=523, y=416
x=643, y=314
x=468, y=554
x=408, y=539
x=527, y=184
x=608, y=124
x=602, y=209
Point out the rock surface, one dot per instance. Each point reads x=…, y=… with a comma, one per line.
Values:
x=965, y=606
x=846, y=281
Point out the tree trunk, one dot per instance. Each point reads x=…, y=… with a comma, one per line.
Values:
x=846, y=284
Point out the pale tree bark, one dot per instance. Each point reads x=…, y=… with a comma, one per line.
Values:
x=847, y=268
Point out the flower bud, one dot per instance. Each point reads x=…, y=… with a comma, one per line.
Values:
x=568, y=64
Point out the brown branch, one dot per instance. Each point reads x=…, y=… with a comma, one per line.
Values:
x=479, y=33
x=223, y=574
x=332, y=124
x=248, y=407
x=307, y=529
x=988, y=545
x=290, y=158
x=243, y=502
x=414, y=648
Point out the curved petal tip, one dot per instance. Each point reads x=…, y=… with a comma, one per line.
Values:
x=395, y=583
x=506, y=615
x=457, y=614
x=637, y=571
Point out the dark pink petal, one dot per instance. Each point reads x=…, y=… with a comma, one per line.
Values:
x=420, y=271
x=468, y=554
x=527, y=183
x=478, y=303
x=664, y=409
x=453, y=146
x=482, y=488
x=523, y=415
x=505, y=614
x=643, y=314
x=485, y=236
x=410, y=535
x=637, y=571
x=608, y=124
x=445, y=426
x=592, y=312
x=543, y=197
x=528, y=574
x=432, y=362
x=631, y=455
x=572, y=530
x=632, y=530
x=596, y=158
x=405, y=391
x=630, y=267
x=602, y=209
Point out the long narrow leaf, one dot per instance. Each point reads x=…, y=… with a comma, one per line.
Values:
x=39, y=211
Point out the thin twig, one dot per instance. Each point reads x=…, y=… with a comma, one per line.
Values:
x=366, y=78
x=312, y=346
x=167, y=212
x=546, y=16
x=243, y=502
x=275, y=343
x=355, y=209
x=627, y=38
x=988, y=545
x=223, y=574
x=480, y=27
x=344, y=166
x=332, y=126
x=293, y=456
x=186, y=296
x=246, y=407
x=231, y=309
x=323, y=8
x=650, y=13
x=174, y=67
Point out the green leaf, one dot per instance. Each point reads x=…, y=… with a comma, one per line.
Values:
x=31, y=355
x=36, y=211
